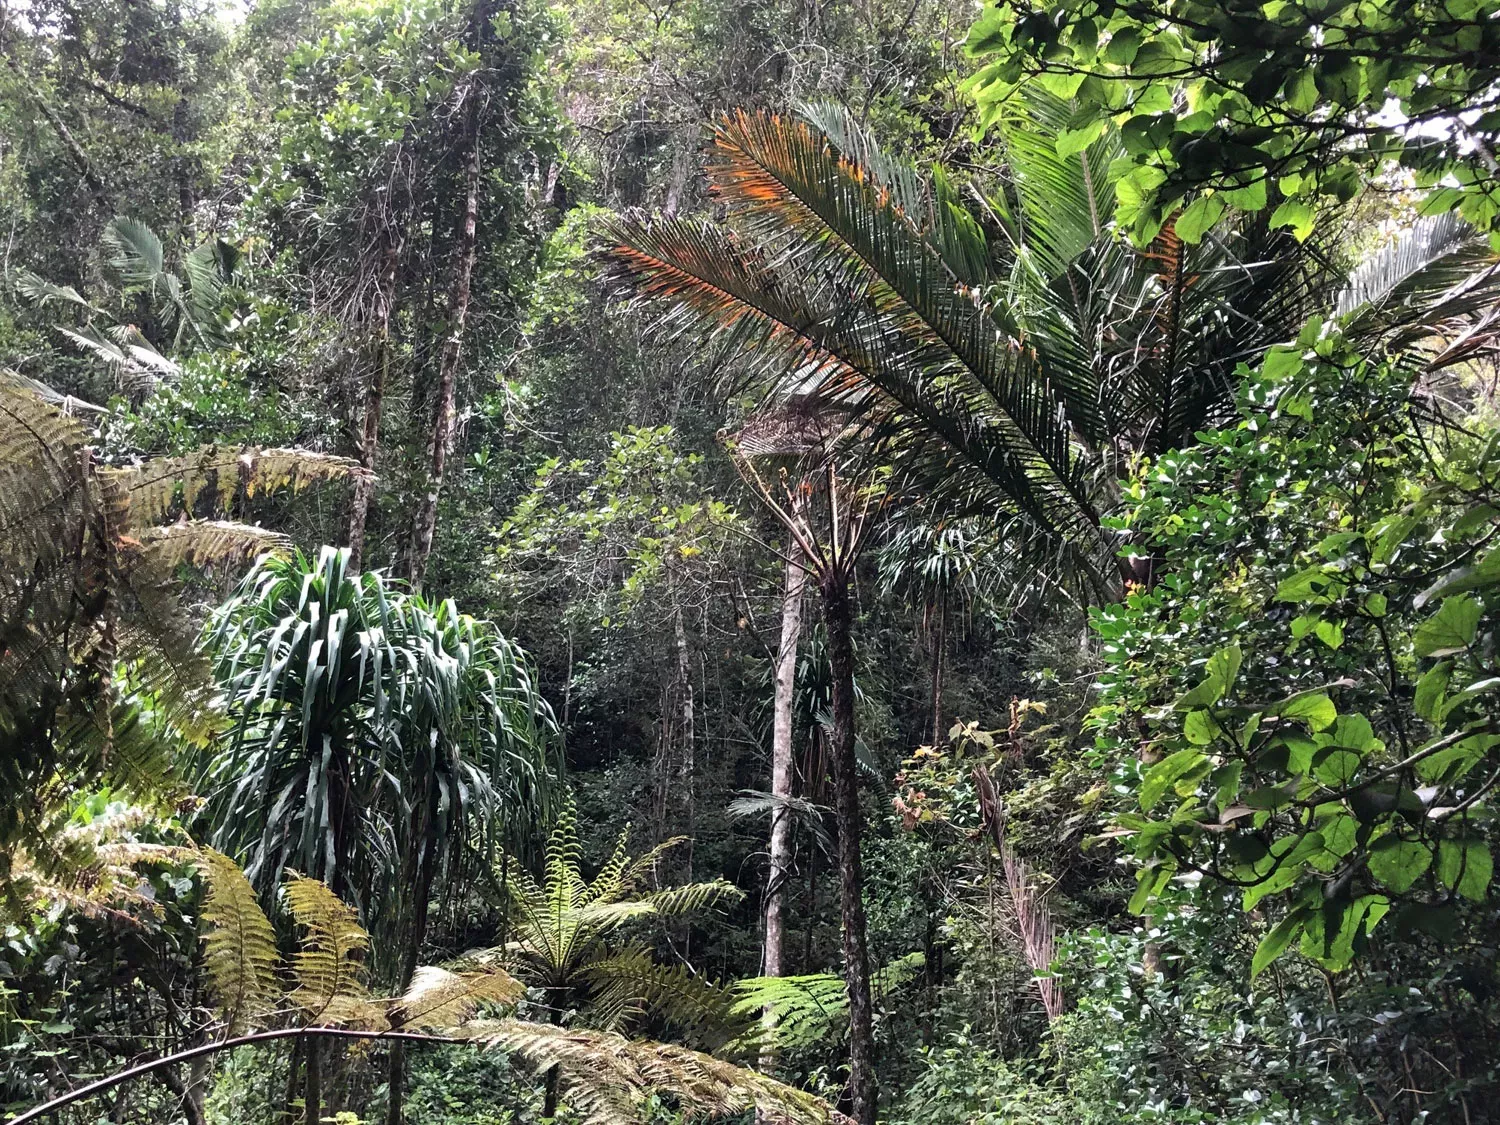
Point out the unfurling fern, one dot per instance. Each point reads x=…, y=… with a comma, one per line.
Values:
x=239, y=945
x=440, y=998
x=330, y=965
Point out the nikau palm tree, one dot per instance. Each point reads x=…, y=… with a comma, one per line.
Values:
x=1011, y=374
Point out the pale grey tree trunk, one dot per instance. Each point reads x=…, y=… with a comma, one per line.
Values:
x=781, y=768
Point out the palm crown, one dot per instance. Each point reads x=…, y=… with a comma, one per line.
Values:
x=1007, y=373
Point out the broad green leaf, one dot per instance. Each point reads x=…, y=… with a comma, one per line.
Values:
x=1331, y=633
x=1198, y=218
x=1399, y=863
x=1311, y=707
x=1449, y=630
x=1281, y=362
x=1297, y=214
x=1304, y=585
x=1274, y=944
x=1225, y=664
x=1070, y=142
x=1200, y=728
x=1162, y=776
x=1431, y=689
x=1149, y=883
x=1466, y=866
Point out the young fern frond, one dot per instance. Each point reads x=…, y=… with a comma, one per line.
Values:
x=329, y=968
x=808, y=1009
x=239, y=945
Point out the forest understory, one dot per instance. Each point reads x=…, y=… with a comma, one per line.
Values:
x=816, y=563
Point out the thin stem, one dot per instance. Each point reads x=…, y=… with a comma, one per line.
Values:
x=110, y=1081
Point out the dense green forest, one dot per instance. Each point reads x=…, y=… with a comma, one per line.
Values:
x=811, y=562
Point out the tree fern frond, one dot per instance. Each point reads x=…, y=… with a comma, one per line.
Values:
x=206, y=543
x=154, y=486
x=608, y=1079
x=807, y=1009
x=239, y=945
x=329, y=966
x=632, y=986
x=674, y=902
x=441, y=999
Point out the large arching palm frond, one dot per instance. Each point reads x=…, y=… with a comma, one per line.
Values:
x=812, y=316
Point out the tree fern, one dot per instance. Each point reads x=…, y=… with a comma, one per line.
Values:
x=442, y=998
x=329, y=967
x=609, y=1079
x=239, y=945
x=806, y=1010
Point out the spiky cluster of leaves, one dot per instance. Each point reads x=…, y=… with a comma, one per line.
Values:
x=368, y=723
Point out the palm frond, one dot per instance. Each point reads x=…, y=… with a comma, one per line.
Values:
x=135, y=251
x=41, y=292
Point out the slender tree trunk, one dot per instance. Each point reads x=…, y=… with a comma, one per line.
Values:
x=553, y=1080
x=838, y=616
x=369, y=445
x=312, y=1105
x=687, y=761
x=781, y=768
x=465, y=251
x=781, y=785
x=939, y=641
x=423, y=874
x=293, y=1071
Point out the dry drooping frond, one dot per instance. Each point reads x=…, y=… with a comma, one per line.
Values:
x=207, y=542
x=440, y=998
x=92, y=866
x=153, y=487
x=239, y=945
x=330, y=965
x=608, y=1079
